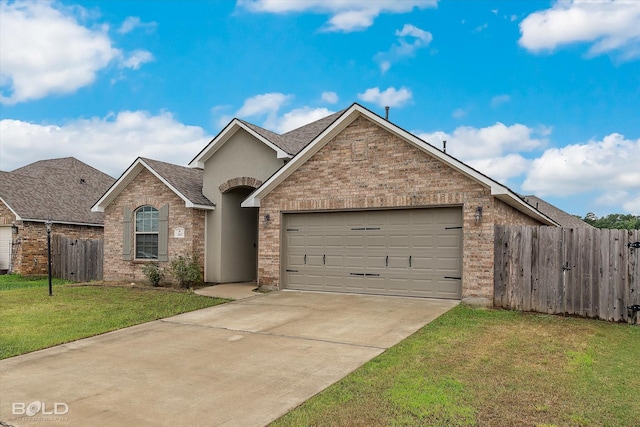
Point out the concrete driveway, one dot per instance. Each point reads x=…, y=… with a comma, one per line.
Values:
x=245, y=363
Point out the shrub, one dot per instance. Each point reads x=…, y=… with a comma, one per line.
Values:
x=153, y=273
x=186, y=270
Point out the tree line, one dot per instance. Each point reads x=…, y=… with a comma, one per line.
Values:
x=617, y=221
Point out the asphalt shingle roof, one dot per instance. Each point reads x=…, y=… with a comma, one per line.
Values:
x=187, y=181
x=295, y=140
x=557, y=214
x=58, y=189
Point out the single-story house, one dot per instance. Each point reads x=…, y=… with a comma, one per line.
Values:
x=61, y=190
x=349, y=203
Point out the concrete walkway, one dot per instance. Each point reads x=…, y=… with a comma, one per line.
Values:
x=234, y=291
x=244, y=363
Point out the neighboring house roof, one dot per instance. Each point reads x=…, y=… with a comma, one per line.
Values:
x=185, y=182
x=286, y=145
x=347, y=117
x=62, y=190
x=560, y=216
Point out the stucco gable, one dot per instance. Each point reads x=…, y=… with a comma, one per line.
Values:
x=236, y=125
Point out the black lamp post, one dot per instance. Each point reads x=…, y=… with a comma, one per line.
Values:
x=48, y=224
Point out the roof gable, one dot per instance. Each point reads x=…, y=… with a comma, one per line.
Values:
x=266, y=137
x=185, y=182
x=286, y=145
x=347, y=117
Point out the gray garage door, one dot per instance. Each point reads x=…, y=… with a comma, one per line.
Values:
x=408, y=252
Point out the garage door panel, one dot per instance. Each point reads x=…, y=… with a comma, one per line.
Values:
x=423, y=264
x=295, y=240
x=377, y=262
x=398, y=262
x=315, y=260
x=355, y=242
x=334, y=261
x=448, y=241
x=391, y=252
x=376, y=285
x=419, y=241
x=399, y=241
x=334, y=241
x=295, y=261
x=354, y=262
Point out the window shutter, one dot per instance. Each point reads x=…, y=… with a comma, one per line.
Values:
x=127, y=216
x=163, y=233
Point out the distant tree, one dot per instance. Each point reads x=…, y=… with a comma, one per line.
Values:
x=616, y=221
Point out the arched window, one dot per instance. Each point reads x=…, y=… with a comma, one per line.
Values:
x=146, y=233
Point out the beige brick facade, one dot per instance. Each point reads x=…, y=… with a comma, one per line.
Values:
x=366, y=167
x=146, y=189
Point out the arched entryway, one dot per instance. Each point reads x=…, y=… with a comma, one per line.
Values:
x=239, y=232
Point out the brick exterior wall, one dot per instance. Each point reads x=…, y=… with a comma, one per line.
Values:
x=6, y=216
x=366, y=167
x=146, y=189
x=29, y=252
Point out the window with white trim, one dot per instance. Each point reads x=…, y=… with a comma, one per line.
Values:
x=146, y=233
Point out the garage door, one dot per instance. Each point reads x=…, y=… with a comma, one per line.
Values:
x=409, y=252
x=5, y=247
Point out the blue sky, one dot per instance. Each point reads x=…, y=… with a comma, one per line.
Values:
x=543, y=96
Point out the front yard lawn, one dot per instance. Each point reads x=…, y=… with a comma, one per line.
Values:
x=491, y=368
x=32, y=320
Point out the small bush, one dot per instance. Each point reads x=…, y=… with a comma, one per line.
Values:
x=186, y=270
x=153, y=273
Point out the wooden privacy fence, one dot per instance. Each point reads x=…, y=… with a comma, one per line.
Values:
x=578, y=271
x=79, y=260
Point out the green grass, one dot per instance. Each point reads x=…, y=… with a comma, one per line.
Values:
x=32, y=320
x=491, y=368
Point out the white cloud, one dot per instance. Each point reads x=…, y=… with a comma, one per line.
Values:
x=632, y=205
x=468, y=143
x=458, y=113
x=501, y=168
x=330, y=97
x=137, y=58
x=266, y=109
x=608, y=25
x=109, y=144
x=133, y=22
x=387, y=98
x=46, y=50
x=267, y=104
x=499, y=100
x=493, y=150
x=300, y=117
x=346, y=15
x=410, y=39
x=33, y=63
x=610, y=165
